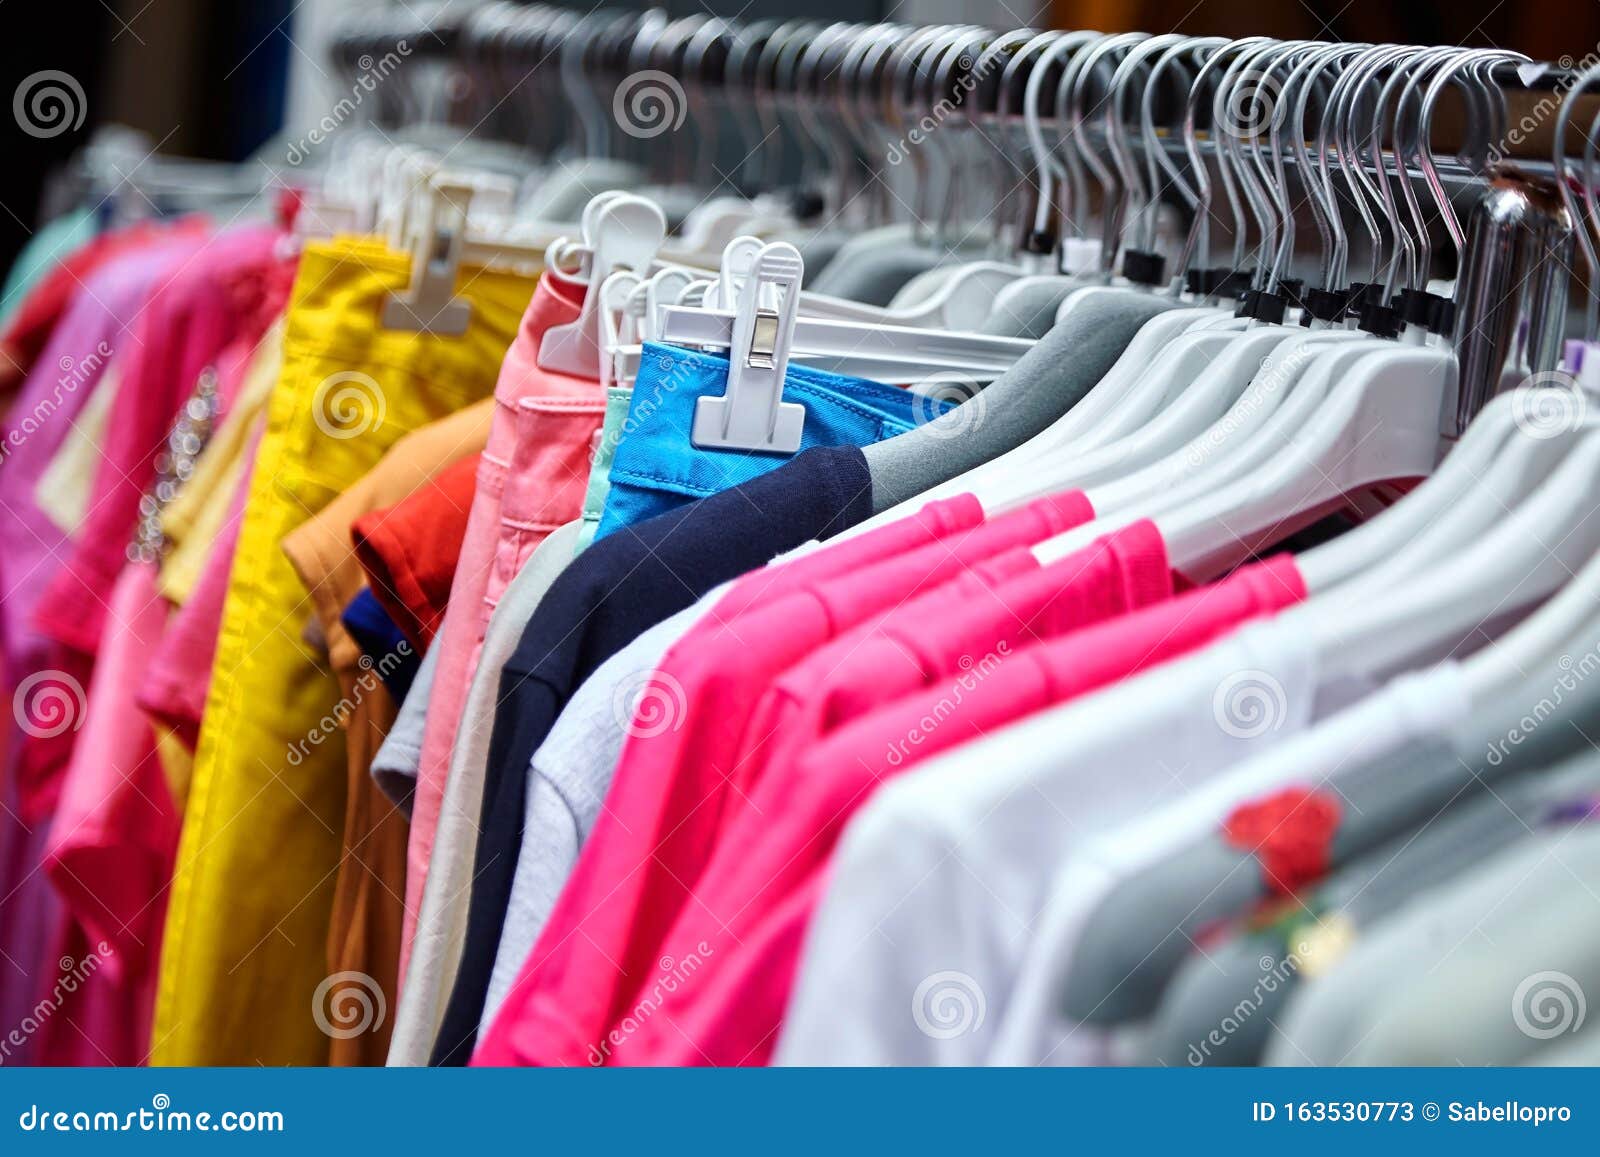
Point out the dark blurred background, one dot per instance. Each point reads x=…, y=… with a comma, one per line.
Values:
x=216, y=78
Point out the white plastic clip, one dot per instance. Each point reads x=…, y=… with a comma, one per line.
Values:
x=665, y=288
x=627, y=231
x=737, y=260
x=430, y=304
x=752, y=415
x=615, y=329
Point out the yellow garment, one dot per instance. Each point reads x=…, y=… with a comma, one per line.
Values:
x=193, y=519
x=243, y=968
x=177, y=763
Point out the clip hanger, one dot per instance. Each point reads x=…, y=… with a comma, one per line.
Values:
x=626, y=232
x=429, y=304
x=752, y=415
x=616, y=326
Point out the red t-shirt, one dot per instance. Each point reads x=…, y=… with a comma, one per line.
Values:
x=410, y=550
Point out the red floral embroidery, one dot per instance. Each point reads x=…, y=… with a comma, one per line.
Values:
x=1289, y=832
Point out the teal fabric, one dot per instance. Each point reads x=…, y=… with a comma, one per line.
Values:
x=612, y=428
x=40, y=255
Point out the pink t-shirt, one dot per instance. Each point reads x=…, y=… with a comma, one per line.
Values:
x=935, y=635
x=753, y=906
x=555, y=301
x=666, y=798
x=111, y=846
x=934, y=521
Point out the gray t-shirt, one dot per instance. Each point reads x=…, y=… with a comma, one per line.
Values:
x=1248, y=980
x=1460, y=975
x=1031, y=310
x=394, y=767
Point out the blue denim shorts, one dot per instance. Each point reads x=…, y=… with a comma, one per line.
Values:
x=657, y=467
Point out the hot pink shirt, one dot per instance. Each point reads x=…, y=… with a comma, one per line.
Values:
x=667, y=795
x=754, y=905
x=555, y=301
x=933, y=636
x=934, y=521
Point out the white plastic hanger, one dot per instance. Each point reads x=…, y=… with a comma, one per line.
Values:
x=917, y=351
x=1521, y=560
x=1544, y=641
x=1209, y=523
x=1382, y=425
x=1508, y=451
x=1160, y=360
x=1161, y=363
x=664, y=287
x=1151, y=430
x=1293, y=381
x=952, y=306
x=1505, y=452
x=1080, y=258
x=1162, y=411
x=672, y=286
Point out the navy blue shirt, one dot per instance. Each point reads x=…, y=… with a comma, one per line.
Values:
x=609, y=595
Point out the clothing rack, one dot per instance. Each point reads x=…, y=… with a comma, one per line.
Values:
x=1009, y=128
x=860, y=70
